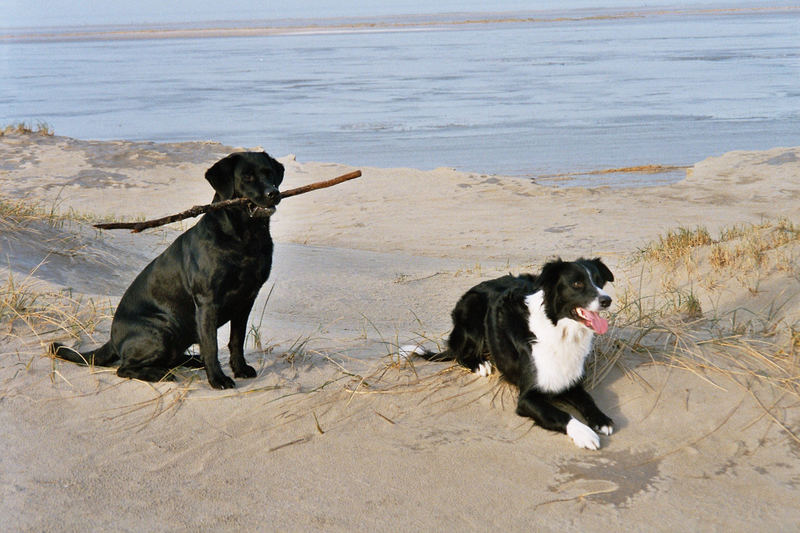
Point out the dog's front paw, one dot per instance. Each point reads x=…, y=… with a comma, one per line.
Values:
x=245, y=371
x=606, y=430
x=582, y=435
x=221, y=382
x=603, y=424
x=484, y=369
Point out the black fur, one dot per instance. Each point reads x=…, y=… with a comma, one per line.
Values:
x=209, y=275
x=491, y=323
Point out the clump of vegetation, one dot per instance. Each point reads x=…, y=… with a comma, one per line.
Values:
x=23, y=128
x=27, y=306
x=748, y=246
x=737, y=245
x=15, y=214
x=749, y=337
x=26, y=309
x=676, y=244
x=746, y=253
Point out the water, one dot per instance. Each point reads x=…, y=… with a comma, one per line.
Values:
x=566, y=93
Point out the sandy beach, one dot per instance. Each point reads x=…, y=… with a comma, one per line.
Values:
x=699, y=369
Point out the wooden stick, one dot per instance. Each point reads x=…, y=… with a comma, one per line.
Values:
x=197, y=210
x=321, y=184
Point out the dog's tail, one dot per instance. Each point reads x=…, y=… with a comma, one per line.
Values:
x=410, y=350
x=102, y=356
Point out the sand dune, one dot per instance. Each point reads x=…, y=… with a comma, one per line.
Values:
x=699, y=370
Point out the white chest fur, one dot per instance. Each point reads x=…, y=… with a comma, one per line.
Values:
x=559, y=351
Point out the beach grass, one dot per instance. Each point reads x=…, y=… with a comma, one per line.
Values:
x=17, y=214
x=687, y=310
x=25, y=128
x=741, y=246
x=31, y=312
x=27, y=301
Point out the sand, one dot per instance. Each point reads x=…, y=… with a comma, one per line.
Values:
x=335, y=433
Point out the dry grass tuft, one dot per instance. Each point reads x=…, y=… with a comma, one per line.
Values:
x=23, y=128
x=27, y=309
x=742, y=246
x=677, y=244
x=750, y=337
x=27, y=305
x=17, y=214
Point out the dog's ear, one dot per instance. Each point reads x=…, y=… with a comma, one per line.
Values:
x=550, y=272
x=278, y=168
x=548, y=278
x=220, y=176
x=603, y=269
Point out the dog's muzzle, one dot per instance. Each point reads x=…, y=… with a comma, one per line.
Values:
x=267, y=207
x=260, y=212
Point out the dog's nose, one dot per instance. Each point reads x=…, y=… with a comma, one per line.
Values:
x=274, y=196
x=605, y=301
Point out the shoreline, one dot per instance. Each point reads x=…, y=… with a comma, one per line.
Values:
x=389, y=23
x=71, y=175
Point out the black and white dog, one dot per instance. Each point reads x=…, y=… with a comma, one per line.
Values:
x=537, y=330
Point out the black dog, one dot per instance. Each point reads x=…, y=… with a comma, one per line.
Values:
x=210, y=275
x=537, y=331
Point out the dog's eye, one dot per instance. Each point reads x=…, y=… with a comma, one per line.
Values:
x=249, y=178
x=578, y=285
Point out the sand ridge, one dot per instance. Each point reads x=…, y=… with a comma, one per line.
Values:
x=335, y=434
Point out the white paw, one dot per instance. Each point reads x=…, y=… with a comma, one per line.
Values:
x=582, y=435
x=409, y=350
x=484, y=369
x=607, y=430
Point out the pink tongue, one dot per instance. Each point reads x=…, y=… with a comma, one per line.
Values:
x=597, y=323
